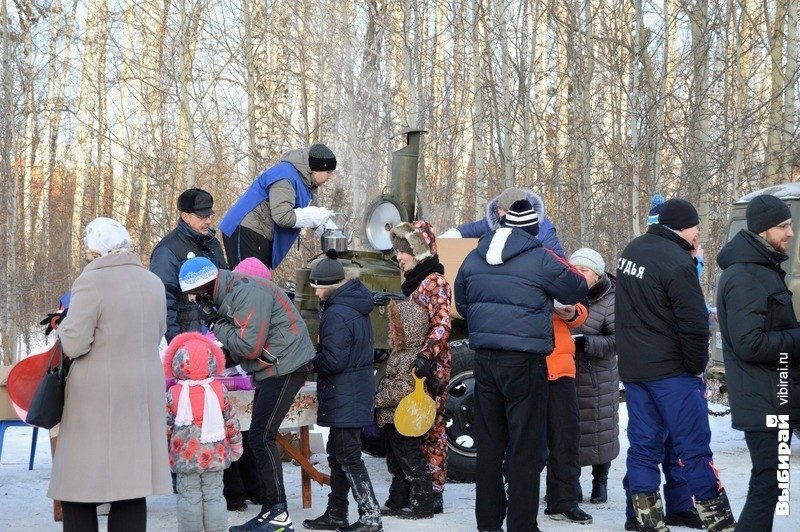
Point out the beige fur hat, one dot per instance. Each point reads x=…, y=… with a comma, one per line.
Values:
x=408, y=239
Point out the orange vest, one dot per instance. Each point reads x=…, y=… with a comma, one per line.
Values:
x=561, y=362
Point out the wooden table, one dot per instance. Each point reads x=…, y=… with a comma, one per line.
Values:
x=301, y=416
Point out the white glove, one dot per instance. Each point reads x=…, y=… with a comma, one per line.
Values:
x=327, y=225
x=311, y=216
x=451, y=233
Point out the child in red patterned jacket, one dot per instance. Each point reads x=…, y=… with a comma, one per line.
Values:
x=202, y=430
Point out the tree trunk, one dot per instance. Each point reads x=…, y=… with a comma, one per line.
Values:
x=774, y=155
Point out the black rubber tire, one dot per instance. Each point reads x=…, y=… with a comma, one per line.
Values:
x=459, y=412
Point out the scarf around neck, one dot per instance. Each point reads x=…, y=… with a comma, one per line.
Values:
x=418, y=273
x=213, y=428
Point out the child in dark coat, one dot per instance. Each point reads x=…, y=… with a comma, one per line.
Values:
x=345, y=393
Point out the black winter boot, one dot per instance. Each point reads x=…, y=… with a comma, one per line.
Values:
x=330, y=520
x=421, y=506
x=649, y=512
x=716, y=513
x=600, y=483
x=599, y=492
x=358, y=526
x=688, y=518
x=438, y=502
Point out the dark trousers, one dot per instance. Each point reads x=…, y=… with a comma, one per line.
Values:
x=563, y=442
x=241, y=480
x=763, y=491
x=243, y=243
x=411, y=480
x=125, y=516
x=348, y=472
x=271, y=401
x=510, y=424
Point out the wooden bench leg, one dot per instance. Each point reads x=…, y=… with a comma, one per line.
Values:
x=301, y=456
x=305, y=448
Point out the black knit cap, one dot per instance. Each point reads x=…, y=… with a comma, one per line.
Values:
x=678, y=214
x=321, y=158
x=327, y=271
x=766, y=211
x=522, y=215
x=197, y=201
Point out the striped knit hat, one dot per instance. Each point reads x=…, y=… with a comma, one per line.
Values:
x=522, y=216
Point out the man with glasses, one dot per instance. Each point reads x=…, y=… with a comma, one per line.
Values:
x=193, y=237
x=266, y=220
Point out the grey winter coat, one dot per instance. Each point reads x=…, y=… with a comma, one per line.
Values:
x=112, y=441
x=408, y=330
x=598, y=379
x=260, y=327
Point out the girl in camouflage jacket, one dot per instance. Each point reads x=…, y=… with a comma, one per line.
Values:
x=202, y=430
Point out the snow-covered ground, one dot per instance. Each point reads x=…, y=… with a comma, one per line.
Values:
x=25, y=507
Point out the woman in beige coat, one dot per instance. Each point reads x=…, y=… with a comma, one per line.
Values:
x=112, y=438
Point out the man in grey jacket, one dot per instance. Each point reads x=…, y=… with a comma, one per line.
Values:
x=263, y=331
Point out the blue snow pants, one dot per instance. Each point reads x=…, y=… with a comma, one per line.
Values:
x=674, y=407
x=677, y=497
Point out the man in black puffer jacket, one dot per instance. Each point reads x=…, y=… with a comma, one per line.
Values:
x=662, y=341
x=194, y=236
x=761, y=346
x=505, y=290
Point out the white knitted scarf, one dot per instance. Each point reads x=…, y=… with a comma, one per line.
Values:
x=213, y=428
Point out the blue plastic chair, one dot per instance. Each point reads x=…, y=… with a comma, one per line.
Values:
x=4, y=424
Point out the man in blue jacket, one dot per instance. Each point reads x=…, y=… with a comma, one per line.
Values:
x=497, y=208
x=266, y=220
x=505, y=290
x=662, y=344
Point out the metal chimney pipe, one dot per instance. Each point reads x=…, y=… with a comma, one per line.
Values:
x=405, y=162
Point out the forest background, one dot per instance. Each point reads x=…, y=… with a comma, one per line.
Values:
x=113, y=107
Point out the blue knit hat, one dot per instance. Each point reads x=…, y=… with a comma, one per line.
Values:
x=656, y=202
x=196, y=272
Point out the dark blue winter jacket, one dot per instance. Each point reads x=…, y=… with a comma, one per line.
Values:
x=547, y=232
x=167, y=258
x=505, y=289
x=345, y=385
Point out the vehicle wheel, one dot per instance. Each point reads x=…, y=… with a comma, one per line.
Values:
x=459, y=413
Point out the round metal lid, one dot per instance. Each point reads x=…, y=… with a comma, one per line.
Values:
x=383, y=214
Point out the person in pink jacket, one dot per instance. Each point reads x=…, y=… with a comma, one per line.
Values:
x=202, y=429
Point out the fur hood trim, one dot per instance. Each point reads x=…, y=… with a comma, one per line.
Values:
x=493, y=218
